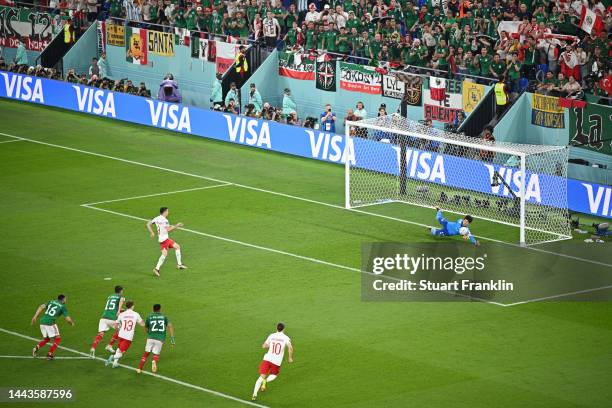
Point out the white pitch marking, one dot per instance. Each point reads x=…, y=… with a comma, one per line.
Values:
x=276, y=251
x=55, y=358
x=161, y=194
x=12, y=141
x=578, y=292
x=161, y=377
x=293, y=197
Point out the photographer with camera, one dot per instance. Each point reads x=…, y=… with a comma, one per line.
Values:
x=250, y=111
x=143, y=91
x=230, y=107
x=72, y=76
x=328, y=120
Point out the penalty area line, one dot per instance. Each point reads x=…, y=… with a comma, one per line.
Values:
x=161, y=377
x=277, y=251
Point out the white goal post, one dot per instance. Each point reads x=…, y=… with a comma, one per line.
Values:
x=395, y=160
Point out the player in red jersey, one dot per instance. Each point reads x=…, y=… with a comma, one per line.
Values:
x=126, y=324
x=270, y=365
x=163, y=228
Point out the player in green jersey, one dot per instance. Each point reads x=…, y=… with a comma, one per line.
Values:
x=114, y=304
x=156, y=325
x=48, y=327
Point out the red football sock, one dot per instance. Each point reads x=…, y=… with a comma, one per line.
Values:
x=97, y=340
x=113, y=339
x=143, y=360
x=43, y=342
x=56, y=342
x=156, y=357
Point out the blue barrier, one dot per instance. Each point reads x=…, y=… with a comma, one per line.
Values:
x=583, y=197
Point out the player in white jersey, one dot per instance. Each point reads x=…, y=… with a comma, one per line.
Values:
x=163, y=228
x=126, y=324
x=272, y=360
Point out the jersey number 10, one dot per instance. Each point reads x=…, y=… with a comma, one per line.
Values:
x=276, y=348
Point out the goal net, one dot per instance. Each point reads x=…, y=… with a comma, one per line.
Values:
x=400, y=161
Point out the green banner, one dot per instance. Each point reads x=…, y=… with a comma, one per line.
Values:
x=591, y=128
x=35, y=27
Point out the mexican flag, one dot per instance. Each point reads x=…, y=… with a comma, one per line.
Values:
x=296, y=66
x=437, y=88
x=136, y=45
x=590, y=21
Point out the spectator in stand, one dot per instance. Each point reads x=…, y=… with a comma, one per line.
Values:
x=328, y=120
x=571, y=88
x=232, y=94
x=255, y=99
x=487, y=135
x=216, y=94
x=103, y=66
x=168, y=90
x=382, y=110
x=289, y=106
x=21, y=57
x=360, y=111
x=514, y=72
x=271, y=30
x=350, y=116
x=93, y=68
x=92, y=10
x=313, y=16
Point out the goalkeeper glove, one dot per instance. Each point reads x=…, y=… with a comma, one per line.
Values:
x=172, y=341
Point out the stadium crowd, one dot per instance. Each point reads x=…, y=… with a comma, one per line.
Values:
x=455, y=36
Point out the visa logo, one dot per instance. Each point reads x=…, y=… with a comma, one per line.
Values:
x=423, y=165
x=23, y=87
x=326, y=146
x=599, y=200
x=514, y=178
x=170, y=116
x=95, y=101
x=247, y=131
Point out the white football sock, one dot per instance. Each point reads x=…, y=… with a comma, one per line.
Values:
x=257, y=385
x=271, y=377
x=118, y=355
x=178, y=257
x=160, y=262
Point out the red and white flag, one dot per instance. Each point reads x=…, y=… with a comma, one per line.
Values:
x=226, y=53
x=437, y=88
x=590, y=21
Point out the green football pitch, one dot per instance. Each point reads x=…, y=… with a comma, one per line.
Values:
x=266, y=239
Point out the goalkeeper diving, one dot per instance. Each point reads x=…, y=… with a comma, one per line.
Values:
x=459, y=227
